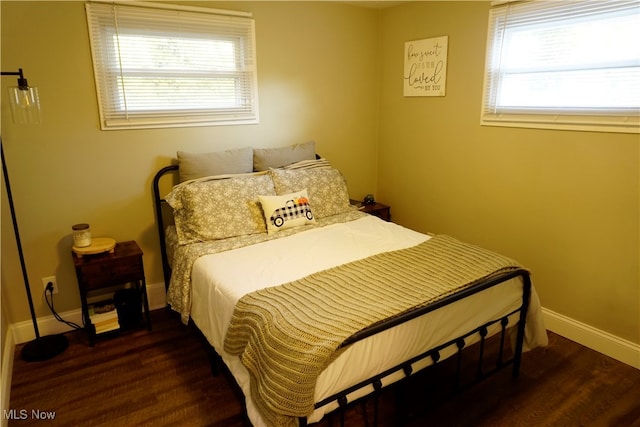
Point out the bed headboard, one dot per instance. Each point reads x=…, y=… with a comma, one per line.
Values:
x=163, y=217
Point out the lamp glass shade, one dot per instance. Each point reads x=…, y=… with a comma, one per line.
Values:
x=25, y=104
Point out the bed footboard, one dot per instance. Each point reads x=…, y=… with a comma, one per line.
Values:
x=375, y=384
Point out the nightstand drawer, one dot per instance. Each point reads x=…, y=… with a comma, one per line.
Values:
x=111, y=271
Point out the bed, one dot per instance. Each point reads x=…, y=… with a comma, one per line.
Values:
x=312, y=304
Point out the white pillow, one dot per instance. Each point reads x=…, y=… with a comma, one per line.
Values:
x=286, y=211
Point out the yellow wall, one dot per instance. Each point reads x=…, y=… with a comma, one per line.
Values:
x=566, y=204
x=563, y=203
x=4, y=330
x=317, y=65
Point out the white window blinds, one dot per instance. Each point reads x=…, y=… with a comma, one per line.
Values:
x=162, y=67
x=564, y=64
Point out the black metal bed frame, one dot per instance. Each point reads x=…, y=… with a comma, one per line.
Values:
x=376, y=381
x=159, y=202
x=435, y=353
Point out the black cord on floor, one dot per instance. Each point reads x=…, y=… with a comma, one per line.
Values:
x=48, y=293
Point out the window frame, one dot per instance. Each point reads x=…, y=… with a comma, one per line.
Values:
x=111, y=75
x=588, y=119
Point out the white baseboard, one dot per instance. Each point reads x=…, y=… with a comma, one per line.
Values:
x=22, y=332
x=595, y=339
x=49, y=325
x=157, y=295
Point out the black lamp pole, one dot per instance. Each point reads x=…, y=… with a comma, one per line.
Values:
x=46, y=347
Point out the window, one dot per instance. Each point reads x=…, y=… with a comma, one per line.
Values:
x=165, y=67
x=565, y=65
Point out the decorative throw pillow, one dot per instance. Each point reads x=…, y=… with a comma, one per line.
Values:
x=219, y=208
x=326, y=186
x=286, y=211
x=265, y=158
x=198, y=165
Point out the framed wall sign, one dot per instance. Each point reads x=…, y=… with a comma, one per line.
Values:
x=425, y=67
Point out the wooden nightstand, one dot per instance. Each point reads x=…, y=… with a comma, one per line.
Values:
x=99, y=272
x=380, y=210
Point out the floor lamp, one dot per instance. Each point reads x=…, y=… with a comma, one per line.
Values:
x=25, y=109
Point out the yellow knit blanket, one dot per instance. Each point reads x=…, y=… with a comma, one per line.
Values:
x=286, y=335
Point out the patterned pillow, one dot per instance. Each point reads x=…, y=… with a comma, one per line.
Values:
x=325, y=185
x=286, y=211
x=219, y=208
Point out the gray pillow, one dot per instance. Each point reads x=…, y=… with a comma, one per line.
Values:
x=198, y=165
x=266, y=158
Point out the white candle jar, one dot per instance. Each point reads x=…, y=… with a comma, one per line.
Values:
x=81, y=235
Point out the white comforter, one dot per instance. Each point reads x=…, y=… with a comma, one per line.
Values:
x=220, y=280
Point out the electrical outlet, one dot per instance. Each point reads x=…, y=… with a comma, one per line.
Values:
x=50, y=279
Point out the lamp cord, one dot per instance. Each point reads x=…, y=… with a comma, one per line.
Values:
x=48, y=293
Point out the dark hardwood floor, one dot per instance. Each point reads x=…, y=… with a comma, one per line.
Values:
x=163, y=378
